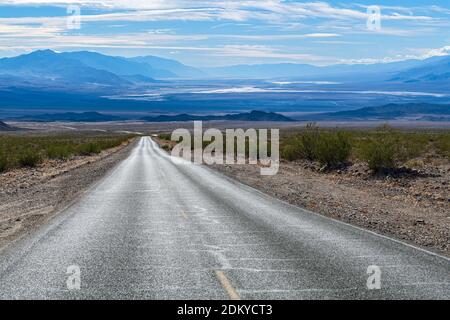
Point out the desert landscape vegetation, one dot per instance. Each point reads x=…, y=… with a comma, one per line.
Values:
x=393, y=181
x=390, y=180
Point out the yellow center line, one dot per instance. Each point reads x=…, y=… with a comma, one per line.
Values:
x=226, y=284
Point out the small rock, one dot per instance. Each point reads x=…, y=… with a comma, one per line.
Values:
x=419, y=221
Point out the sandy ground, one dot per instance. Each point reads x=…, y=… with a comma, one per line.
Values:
x=29, y=197
x=412, y=207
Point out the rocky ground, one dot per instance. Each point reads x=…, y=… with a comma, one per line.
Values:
x=413, y=205
x=31, y=196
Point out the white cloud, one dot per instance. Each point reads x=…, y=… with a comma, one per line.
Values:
x=232, y=10
x=444, y=51
x=289, y=20
x=417, y=54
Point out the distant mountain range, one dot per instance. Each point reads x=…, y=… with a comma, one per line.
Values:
x=101, y=117
x=176, y=68
x=118, y=65
x=250, y=116
x=435, y=69
x=85, y=67
x=47, y=68
x=5, y=127
x=70, y=117
x=412, y=111
x=83, y=80
x=432, y=69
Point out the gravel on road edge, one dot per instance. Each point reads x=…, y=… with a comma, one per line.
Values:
x=31, y=197
x=378, y=207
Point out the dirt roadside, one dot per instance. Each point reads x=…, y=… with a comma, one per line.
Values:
x=30, y=197
x=412, y=208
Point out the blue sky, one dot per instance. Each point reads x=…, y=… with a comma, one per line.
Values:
x=216, y=33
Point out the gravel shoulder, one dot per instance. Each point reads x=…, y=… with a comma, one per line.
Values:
x=30, y=197
x=414, y=208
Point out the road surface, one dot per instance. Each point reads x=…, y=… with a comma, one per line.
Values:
x=160, y=229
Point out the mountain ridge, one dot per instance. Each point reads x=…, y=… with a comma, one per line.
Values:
x=51, y=66
x=89, y=116
x=117, y=65
x=390, y=111
x=88, y=67
x=253, y=115
x=6, y=127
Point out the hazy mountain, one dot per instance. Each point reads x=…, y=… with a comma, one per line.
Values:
x=262, y=71
x=387, y=112
x=50, y=67
x=249, y=116
x=118, y=65
x=173, y=66
x=83, y=67
x=139, y=79
x=434, y=69
x=5, y=127
x=70, y=116
x=377, y=71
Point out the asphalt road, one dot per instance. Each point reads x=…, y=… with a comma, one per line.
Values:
x=161, y=229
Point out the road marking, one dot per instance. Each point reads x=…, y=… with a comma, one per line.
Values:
x=227, y=285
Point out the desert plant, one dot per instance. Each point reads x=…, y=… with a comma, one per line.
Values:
x=164, y=136
x=308, y=141
x=291, y=152
x=443, y=145
x=29, y=158
x=3, y=162
x=332, y=148
x=387, y=150
x=89, y=149
x=28, y=150
x=59, y=152
x=167, y=147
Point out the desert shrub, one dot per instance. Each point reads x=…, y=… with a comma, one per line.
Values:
x=443, y=145
x=388, y=149
x=290, y=152
x=308, y=141
x=332, y=148
x=164, y=136
x=59, y=152
x=29, y=150
x=167, y=147
x=3, y=162
x=29, y=158
x=89, y=149
x=380, y=153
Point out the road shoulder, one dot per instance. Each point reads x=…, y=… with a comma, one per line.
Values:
x=30, y=197
x=378, y=207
